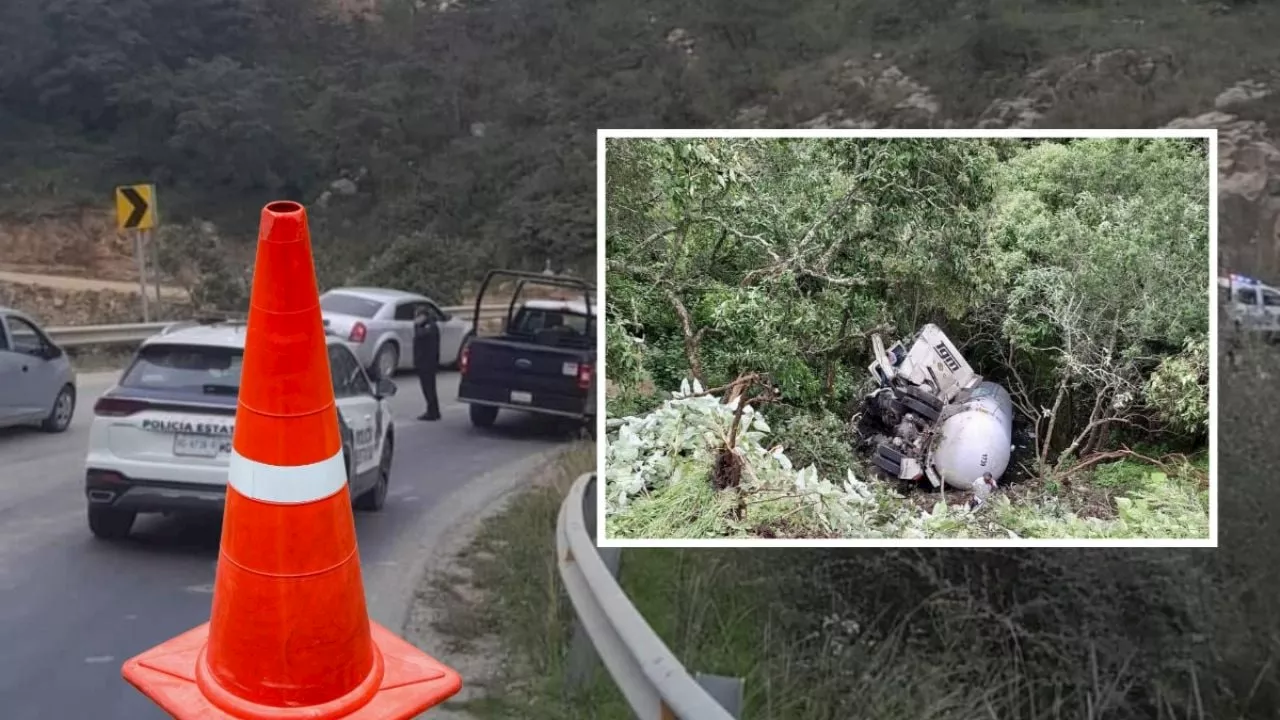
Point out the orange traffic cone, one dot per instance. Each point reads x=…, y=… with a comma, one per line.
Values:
x=289, y=635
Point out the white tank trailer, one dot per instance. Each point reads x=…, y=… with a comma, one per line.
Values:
x=933, y=416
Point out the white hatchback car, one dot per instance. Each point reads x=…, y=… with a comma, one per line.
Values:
x=161, y=437
x=37, y=382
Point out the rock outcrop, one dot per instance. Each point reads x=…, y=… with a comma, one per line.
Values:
x=1082, y=82
x=1248, y=183
x=57, y=307
x=845, y=92
x=80, y=243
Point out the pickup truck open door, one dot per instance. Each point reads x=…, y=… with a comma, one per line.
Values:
x=542, y=361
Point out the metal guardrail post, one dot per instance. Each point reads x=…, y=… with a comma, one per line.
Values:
x=728, y=691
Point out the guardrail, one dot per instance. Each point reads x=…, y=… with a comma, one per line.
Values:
x=84, y=335
x=655, y=684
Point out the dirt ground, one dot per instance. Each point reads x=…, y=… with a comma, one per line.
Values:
x=447, y=618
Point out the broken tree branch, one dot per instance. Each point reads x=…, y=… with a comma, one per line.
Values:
x=1124, y=452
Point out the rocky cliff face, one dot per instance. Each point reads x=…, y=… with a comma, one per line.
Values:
x=1090, y=82
x=56, y=307
x=81, y=243
x=845, y=92
x=1248, y=183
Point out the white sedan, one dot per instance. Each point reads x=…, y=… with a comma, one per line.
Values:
x=378, y=325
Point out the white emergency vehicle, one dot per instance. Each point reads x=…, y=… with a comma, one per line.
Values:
x=161, y=437
x=1251, y=305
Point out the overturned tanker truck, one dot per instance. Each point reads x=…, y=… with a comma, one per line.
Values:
x=931, y=415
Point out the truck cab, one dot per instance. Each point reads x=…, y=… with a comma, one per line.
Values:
x=542, y=360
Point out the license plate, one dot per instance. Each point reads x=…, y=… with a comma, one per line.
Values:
x=521, y=397
x=189, y=445
x=569, y=368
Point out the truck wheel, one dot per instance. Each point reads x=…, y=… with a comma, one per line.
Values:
x=887, y=466
x=921, y=409
x=889, y=453
x=483, y=416
x=110, y=523
x=923, y=396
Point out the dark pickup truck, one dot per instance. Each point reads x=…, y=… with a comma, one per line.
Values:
x=543, y=361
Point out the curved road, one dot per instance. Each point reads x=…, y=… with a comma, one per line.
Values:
x=73, y=608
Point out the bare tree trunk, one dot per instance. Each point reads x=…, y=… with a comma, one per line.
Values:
x=1092, y=440
x=691, y=338
x=1047, y=440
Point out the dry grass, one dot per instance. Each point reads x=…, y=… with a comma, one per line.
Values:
x=936, y=634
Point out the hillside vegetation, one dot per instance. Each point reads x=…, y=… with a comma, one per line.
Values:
x=1072, y=272
x=432, y=144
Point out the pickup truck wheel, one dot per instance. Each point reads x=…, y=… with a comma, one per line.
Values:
x=483, y=416
x=110, y=523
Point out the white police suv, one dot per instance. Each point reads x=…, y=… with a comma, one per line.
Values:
x=161, y=437
x=1250, y=304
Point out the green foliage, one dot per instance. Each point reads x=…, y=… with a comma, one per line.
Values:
x=782, y=250
x=820, y=439
x=1084, y=257
x=658, y=484
x=228, y=104
x=196, y=253
x=1179, y=388
x=1074, y=268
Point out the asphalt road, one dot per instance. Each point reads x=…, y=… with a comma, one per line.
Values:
x=73, y=608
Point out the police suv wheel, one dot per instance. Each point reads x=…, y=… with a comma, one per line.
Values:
x=109, y=523
x=375, y=497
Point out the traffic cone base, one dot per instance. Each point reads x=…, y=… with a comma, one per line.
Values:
x=404, y=683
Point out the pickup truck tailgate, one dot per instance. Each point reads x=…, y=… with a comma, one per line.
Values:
x=504, y=372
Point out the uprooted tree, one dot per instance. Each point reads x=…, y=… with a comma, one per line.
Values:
x=1072, y=271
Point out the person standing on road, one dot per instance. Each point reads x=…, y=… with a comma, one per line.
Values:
x=426, y=359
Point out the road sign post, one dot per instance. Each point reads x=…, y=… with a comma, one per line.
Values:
x=140, y=253
x=136, y=211
x=149, y=239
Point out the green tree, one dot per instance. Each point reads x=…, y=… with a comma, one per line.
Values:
x=1073, y=270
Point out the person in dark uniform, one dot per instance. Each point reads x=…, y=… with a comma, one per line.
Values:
x=426, y=359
